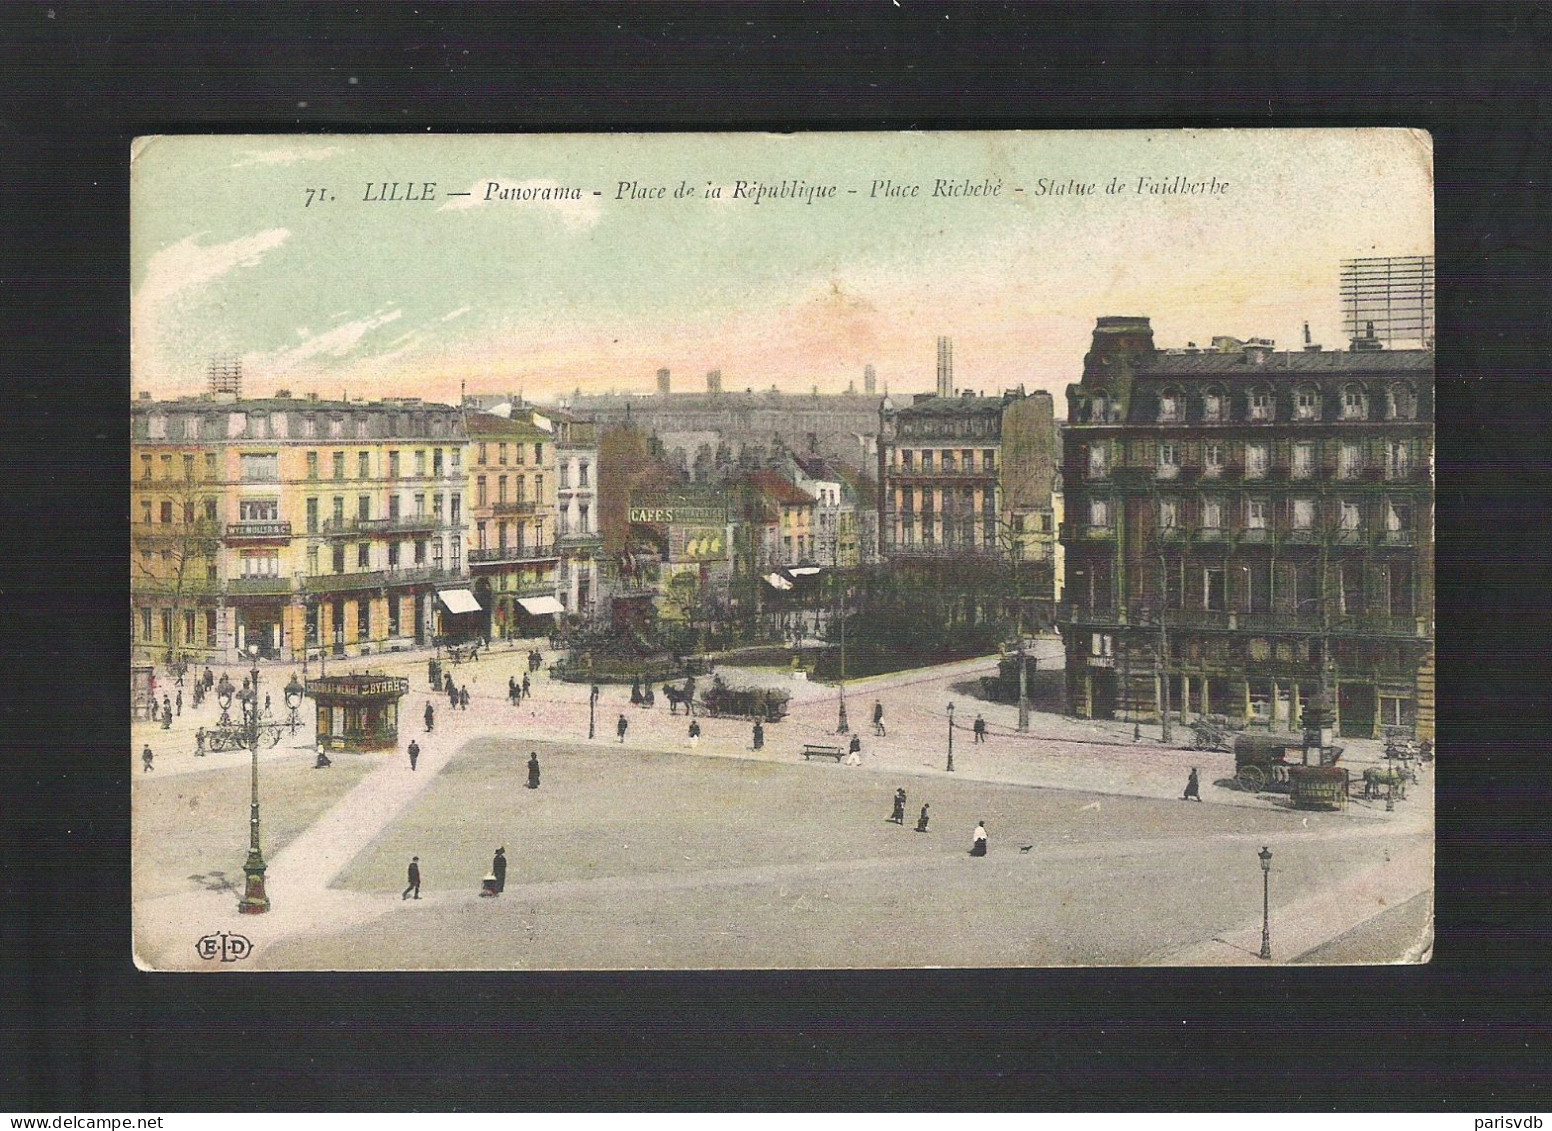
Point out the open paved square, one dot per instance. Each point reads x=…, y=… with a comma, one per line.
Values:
x=650, y=854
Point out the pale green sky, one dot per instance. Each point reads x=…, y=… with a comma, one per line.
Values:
x=410, y=298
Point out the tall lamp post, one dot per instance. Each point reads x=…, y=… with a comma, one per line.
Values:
x=841, y=725
x=951, y=738
x=254, y=901
x=1266, y=871
x=592, y=704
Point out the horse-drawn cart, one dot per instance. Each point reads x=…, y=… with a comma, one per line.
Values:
x=1261, y=762
x=1212, y=732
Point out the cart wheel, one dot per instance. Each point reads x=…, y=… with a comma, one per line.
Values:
x=1251, y=778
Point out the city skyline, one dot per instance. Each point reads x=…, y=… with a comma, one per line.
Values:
x=362, y=294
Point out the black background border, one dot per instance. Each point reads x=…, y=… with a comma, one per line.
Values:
x=89, y=1032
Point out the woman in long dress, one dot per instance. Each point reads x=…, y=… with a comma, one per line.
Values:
x=978, y=848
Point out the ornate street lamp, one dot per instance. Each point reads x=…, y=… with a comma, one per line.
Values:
x=592, y=704
x=294, y=693
x=951, y=738
x=1266, y=871
x=254, y=900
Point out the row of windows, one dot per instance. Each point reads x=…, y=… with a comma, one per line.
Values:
x=1259, y=404
x=452, y=466
x=481, y=490
x=168, y=511
x=967, y=426
x=192, y=624
x=395, y=509
x=1355, y=588
x=242, y=424
x=186, y=465
x=1213, y=512
x=947, y=499
x=518, y=451
x=1353, y=458
x=948, y=460
x=519, y=541
x=390, y=555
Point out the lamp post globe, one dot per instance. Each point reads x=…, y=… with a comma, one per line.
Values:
x=294, y=693
x=1265, y=855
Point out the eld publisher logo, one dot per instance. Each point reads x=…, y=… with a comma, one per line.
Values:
x=228, y=948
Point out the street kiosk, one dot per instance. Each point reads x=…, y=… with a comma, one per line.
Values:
x=359, y=711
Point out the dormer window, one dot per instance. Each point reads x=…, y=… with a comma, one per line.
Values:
x=1213, y=405
x=1170, y=406
x=1401, y=403
x=1259, y=405
x=1355, y=403
x=1306, y=403
x=1099, y=408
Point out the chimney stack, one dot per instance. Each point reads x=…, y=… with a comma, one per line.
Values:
x=662, y=382
x=869, y=380
x=945, y=367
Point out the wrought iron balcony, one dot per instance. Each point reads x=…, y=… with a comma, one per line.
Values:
x=258, y=586
x=374, y=579
x=403, y=524
x=258, y=529
x=538, y=553
x=525, y=506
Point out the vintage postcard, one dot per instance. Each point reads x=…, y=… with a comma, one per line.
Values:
x=972, y=549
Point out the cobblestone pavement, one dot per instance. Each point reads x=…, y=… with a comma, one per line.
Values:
x=1061, y=753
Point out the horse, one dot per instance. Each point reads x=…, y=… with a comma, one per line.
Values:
x=677, y=696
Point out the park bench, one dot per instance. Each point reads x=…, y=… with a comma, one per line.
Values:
x=816, y=750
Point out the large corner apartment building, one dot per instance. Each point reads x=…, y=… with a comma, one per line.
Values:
x=1245, y=525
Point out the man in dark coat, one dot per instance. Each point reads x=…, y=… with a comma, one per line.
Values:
x=414, y=878
x=533, y=770
x=898, y=816
x=145, y=759
x=498, y=868
x=512, y=688
x=166, y=713
x=414, y=753
x=210, y=679
x=980, y=729
x=759, y=734
x=430, y=717
x=878, y=717
x=463, y=699
x=921, y=822
x=856, y=744
x=621, y=727
x=178, y=705
x=1193, y=787
x=526, y=691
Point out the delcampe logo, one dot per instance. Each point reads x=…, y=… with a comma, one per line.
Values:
x=228, y=948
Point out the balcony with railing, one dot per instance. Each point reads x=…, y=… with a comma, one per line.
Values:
x=374, y=579
x=258, y=586
x=257, y=530
x=956, y=472
x=1087, y=532
x=501, y=555
x=522, y=506
x=402, y=524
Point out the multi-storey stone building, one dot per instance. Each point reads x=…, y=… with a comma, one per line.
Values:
x=514, y=554
x=955, y=471
x=1244, y=526
x=292, y=523
x=577, y=530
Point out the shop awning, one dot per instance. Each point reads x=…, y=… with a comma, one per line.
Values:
x=777, y=581
x=459, y=601
x=541, y=606
x=803, y=571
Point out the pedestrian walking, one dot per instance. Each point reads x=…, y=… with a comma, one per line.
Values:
x=447, y=683
x=648, y=697
x=433, y=674
x=512, y=692
x=978, y=839
x=266, y=705
x=533, y=770
x=179, y=670
x=635, y=691
x=759, y=734
x=178, y=703
x=1193, y=787
x=856, y=744
x=980, y=729
x=878, y=717
x=151, y=710
x=621, y=727
x=199, y=743
x=210, y=679
x=463, y=698
x=430, y=717
x=498, y=868
x=145, y=760
x=921, y=822
x=414, y=753
x=898, y=815
x=526, y=691
x=414, y=878
x=166, y=713
x=695, y=733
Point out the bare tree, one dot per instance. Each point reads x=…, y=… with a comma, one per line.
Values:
x=174, y=547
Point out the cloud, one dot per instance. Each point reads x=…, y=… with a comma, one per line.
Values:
x=459, y=313
x=340, y=341
x=577, y=214
x=284, y=156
